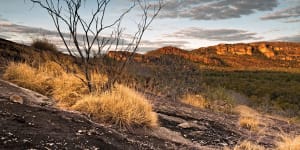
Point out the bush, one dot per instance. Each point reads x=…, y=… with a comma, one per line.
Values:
x=43, y=44
x=121, y=106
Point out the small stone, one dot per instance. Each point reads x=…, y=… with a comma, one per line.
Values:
x=223, y=144
x=31, y=124
x=184, y=125
x=26, y=141
x=16, y=99
x=50, y=144
x=80, y=131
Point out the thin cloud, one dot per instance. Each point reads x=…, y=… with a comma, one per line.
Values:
x=216, y=34
x=293, y=38
x=26, y=34
x=292, y=20
x=214, y=9
x=291, y=13
x=10, y=30
x=3, y=36
x=164, y=43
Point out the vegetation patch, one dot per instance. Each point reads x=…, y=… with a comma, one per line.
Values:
x=121, y=105
x=216, y=99
x=269, y=91
x=28, y=77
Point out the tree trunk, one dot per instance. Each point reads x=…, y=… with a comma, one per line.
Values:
x=88, y=77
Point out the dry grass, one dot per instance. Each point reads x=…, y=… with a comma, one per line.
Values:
x=289, y=143
x=195, y=100
x=121, y=106
x=249, y=123
x=247, y=145
x=28, y=77
x=51, y=68
x=67, y=89
x=249, y=118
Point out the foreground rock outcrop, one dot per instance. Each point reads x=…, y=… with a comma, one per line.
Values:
x=36, y=123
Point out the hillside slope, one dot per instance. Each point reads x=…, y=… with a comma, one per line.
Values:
x=30, y=120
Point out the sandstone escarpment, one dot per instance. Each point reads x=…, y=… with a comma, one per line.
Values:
x=263, y=54
x=271, y=50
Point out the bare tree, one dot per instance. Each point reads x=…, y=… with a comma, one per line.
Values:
x=87, y=39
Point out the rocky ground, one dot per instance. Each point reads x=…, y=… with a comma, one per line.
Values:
x=31, y=121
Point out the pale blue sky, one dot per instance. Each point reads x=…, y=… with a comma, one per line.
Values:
x=186, y=24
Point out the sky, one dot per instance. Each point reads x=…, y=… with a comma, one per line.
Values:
x=187, y=24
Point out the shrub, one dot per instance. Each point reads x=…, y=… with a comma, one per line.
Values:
x=121, y=106
x=43, y=44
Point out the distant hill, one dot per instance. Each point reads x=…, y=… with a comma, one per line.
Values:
x=259, y=54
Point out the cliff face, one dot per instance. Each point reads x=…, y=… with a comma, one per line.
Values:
x=169, y=50
x=272, y=50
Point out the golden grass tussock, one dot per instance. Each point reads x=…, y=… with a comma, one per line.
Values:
x=28, y=77
x=249, y=123
x=121, y=106
x=247, y=145
x=289, y=143
x=195, y=100
x=249, y=118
